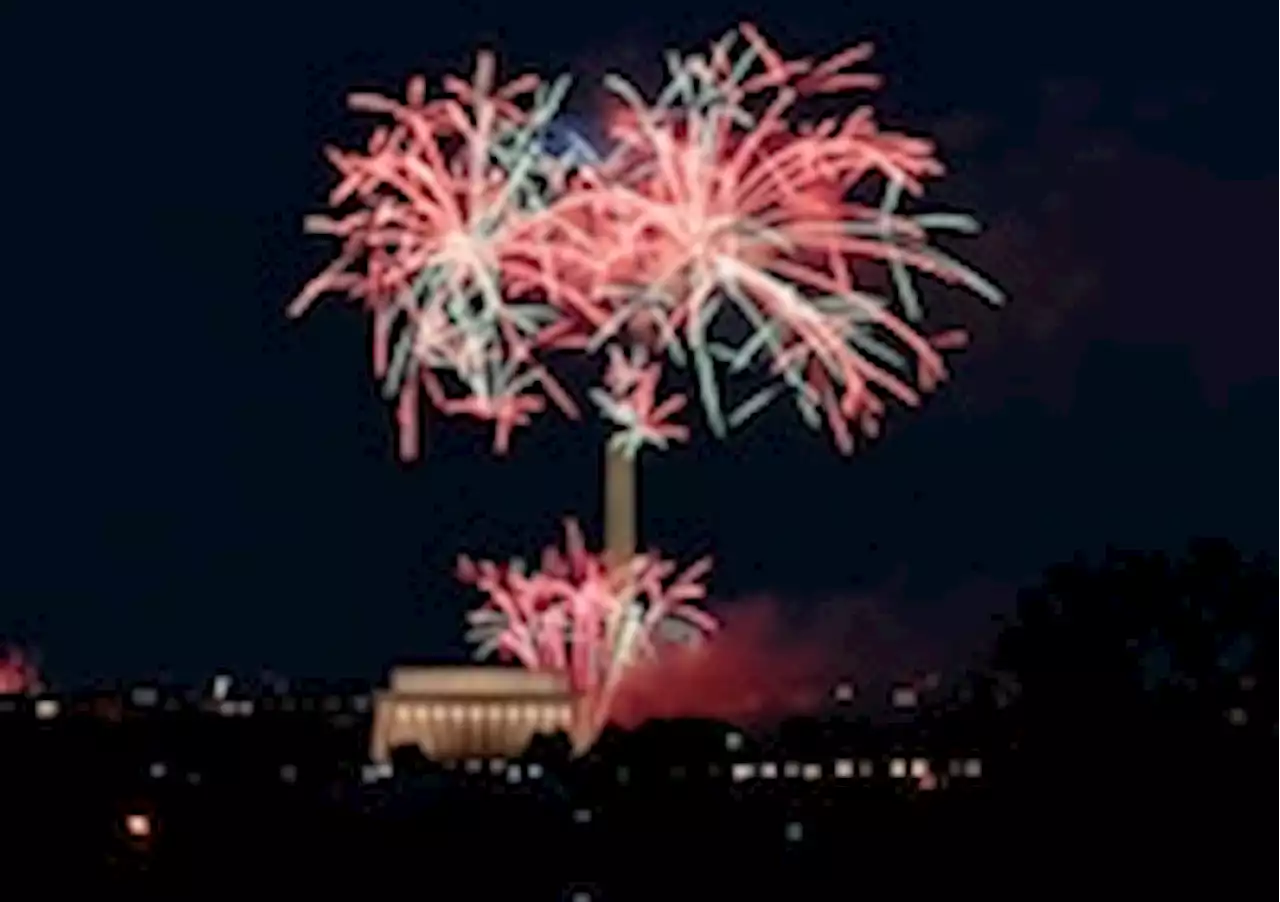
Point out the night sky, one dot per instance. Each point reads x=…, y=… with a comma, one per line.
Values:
x=190, y=481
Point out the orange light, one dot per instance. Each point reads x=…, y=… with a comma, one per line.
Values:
x=138, y=826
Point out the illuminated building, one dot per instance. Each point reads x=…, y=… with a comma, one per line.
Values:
x=468, y=712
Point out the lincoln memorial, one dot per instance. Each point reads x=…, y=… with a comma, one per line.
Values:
x=468, y=711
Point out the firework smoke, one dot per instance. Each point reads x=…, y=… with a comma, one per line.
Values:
x=765, y=666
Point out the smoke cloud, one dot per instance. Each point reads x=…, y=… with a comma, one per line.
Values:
x=769, y=662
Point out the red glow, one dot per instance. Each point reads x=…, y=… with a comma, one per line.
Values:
x=17, y=674
x=761, y=668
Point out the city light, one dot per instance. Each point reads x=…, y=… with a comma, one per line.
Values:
x=221, y=686
x=905, y=697
x=138, y=826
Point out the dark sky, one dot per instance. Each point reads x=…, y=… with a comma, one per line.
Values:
x=191, y=481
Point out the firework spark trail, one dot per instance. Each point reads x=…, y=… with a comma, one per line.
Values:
x=631, y=403
x=717, y=200
x=448, y=245
x=575, y=616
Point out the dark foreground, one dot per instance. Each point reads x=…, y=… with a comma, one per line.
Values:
x=86, y=809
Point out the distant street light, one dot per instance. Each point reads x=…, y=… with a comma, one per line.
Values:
x=138, y=826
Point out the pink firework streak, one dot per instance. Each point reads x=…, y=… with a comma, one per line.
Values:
x=446, y=240
x=581, y=617
x=718, y=200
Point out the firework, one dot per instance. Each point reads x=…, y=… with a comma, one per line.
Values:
x=445, y=240
x=575, y=615
x=722, y=231
x=725, y=238
x=18, y=674
x=630, y=402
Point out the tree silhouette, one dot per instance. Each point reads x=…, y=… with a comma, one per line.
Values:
x=1144, y=650
x=409, y=760
x=552, y=751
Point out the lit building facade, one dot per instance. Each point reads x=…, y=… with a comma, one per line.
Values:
x=468, y=712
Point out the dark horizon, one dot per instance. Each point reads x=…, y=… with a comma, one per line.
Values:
x=199, y=483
